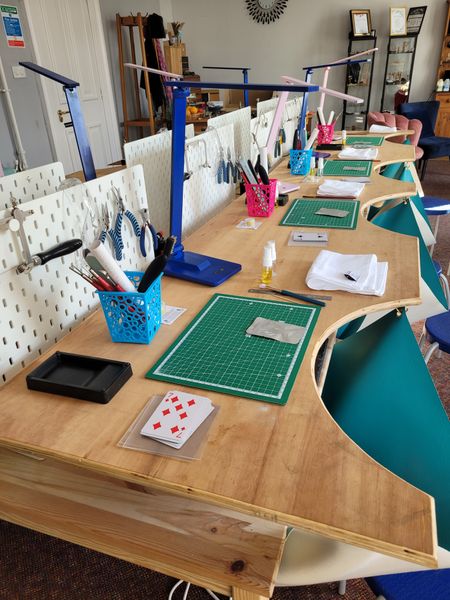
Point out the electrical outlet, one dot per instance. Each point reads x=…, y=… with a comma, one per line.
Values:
x=18, y=72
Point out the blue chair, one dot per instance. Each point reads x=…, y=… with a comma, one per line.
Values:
x=433, y=146
x=435, y=207
x=437, y=333
x=421, y=585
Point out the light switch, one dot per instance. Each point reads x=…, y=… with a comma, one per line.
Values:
x=18, y=72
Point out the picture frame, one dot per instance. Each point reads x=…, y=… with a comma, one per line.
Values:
x=361, y=22
x=416, y=15
x=397, y=21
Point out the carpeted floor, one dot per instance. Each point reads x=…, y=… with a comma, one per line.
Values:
x=37, y=567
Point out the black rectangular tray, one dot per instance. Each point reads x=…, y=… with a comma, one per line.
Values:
x=78, y=376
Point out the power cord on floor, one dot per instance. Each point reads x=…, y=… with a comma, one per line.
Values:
x=186, y=591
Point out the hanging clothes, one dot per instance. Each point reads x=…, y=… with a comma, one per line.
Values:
x=163, y=67
x=154, y=30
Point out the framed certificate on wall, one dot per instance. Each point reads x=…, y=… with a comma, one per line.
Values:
x=361, y=22
x=397, y=22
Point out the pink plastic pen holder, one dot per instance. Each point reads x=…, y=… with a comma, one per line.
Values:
x=261, y=198
x=325, y=135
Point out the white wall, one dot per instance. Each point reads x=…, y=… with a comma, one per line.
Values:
x=222, y=32
x=26, y=100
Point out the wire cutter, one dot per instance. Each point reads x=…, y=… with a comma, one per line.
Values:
x=121, y=211
x=147, y=227
x=107, y=230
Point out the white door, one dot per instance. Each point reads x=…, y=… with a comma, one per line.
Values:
x=68, y=39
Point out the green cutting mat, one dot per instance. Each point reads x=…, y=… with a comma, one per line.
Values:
x=302, y=213
x=348, y=168
x=365, y=140
x=215, y=353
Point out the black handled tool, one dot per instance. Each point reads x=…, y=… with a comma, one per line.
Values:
x=44, y=257
x=263, y=175
x=154, y=270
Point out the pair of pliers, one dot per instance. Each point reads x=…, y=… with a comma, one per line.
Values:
x=147, y=227
x=231, y=168
x=121, y=211
x=107, y=230
x=223, y=175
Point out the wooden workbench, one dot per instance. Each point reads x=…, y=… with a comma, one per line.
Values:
x=219, y=521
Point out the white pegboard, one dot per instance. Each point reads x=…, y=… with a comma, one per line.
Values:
x=154, y=154
x=290, y=121
x=31, y=184
x=189, y=131
x=240, y=119
x=266, y=106
x=260, y=126
x=38, y=308
x=203, y=197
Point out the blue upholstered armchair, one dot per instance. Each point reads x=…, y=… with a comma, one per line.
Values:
x=433, y=146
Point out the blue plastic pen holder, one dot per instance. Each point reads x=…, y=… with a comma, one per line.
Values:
x=133, y=317
x=300, y=161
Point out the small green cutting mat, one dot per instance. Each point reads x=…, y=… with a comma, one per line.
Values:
x=302, y=213
x=364, y=140
x=214, y=352
x=348, y=168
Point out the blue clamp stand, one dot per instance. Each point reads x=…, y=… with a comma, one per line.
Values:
x=76, y=115
x=244, y=70
x=192, y=266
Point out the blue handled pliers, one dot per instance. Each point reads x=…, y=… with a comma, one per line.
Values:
x=121, y=211
x=107, y=230
x=223, y=174
x=147, y=227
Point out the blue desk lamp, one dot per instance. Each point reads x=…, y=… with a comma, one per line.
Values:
x=244, y=70
x=348, y=60
x=76, y=115
x=182, y=264
x=190, y=265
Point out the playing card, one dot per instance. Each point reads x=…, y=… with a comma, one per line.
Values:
x=177, y=417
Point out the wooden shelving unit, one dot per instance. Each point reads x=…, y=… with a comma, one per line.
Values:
x=131, y=23
x=443, y=120
x=359, y=83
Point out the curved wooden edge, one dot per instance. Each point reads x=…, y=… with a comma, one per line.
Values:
x=296, y=467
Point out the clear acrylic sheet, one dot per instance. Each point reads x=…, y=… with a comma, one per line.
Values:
x=191, y=450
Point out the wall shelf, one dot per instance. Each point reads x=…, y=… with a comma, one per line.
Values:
x=359, y=80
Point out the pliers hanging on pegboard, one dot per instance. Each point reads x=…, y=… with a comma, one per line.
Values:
x=281, y=139
x=147, y=231
x=231, y=168
x=107, y=230
x=121, y=211
x=223, y=175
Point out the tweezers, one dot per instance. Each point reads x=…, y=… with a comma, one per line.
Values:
x=280, y=293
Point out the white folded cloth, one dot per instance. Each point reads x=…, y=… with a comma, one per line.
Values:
x=336, y=188
x=381, y=128
x=351, y=153
x=329, y=268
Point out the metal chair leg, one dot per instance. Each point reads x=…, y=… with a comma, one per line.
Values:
x=445, y=286
x=424, y=168
x=430, y=351
x=342, y=587
x=422, y=338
